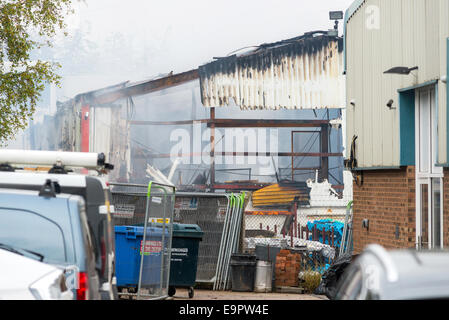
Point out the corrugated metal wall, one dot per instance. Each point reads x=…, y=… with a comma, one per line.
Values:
x=108, y=133
x=410, y=33
x=67, y=122
x=300, y=74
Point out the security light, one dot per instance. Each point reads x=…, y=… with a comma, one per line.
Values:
x=401, y=70
x=335, y=15
x=390, y=104
x=365, y=224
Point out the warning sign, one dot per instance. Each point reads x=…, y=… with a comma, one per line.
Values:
x=124, y=210
x=159, y=220
x=151, y=247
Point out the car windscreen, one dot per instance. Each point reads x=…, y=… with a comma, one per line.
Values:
x=27, y=230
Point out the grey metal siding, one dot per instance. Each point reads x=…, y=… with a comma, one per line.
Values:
x=412, y=33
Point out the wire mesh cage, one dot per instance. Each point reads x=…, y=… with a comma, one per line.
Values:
x=316, y=232
x=143, y=249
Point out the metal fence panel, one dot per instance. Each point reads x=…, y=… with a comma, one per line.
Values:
x=208, y=211
x=230, y=241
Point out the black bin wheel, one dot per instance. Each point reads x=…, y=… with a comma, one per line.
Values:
x=191, y=292
x=171, y=291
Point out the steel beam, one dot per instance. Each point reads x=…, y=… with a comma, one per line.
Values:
x=251, y=154
x=238, y=123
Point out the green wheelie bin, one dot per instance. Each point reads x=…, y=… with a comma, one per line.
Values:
x=184, y=257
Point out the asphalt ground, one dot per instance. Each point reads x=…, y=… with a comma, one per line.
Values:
x=202, y=294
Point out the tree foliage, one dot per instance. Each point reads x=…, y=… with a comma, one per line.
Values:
x=26, y=25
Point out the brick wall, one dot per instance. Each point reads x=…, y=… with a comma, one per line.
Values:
x=287, y=269
x=387, y=199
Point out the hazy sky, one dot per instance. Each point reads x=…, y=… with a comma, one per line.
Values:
x=179, y=35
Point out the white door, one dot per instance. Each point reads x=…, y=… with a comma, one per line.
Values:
x=429, y=178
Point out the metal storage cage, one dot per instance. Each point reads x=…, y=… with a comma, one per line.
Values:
x=143, y=253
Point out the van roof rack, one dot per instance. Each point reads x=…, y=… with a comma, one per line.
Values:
x=50, y=189
x=6, y=167
x=58, y=160
x=58, y=170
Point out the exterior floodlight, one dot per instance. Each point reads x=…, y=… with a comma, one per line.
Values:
x=401, y=70
x=336, y=15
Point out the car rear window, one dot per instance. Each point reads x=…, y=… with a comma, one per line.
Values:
x=30, y=231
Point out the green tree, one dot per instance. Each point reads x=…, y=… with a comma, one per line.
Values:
x=25, y=26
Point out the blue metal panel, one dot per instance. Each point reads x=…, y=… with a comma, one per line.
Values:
x=407, y=127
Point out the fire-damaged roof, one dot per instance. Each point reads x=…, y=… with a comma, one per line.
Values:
x=131, y=89
x=300, y=73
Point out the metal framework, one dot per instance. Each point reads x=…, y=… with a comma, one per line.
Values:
x=126, y=90
x=214, y=123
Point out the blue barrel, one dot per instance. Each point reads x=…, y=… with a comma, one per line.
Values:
x=128, y=253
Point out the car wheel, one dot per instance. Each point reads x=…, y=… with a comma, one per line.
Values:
x=171, y=291
x=191, y=292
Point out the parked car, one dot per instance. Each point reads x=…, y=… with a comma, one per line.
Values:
x=52, y=227
x=22, y=277
x=96, y=195
x=378, y=274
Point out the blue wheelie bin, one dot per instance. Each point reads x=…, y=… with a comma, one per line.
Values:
x=184, y=256
x=128, y=252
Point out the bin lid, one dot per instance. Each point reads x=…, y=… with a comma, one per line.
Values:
x=138, y=230
x=181, y=230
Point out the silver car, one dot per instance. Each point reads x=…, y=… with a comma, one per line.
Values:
x=24, y=278
x=378, y=274
x=52, y=228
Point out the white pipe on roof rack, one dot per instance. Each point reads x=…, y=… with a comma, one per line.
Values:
x=88, y=160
